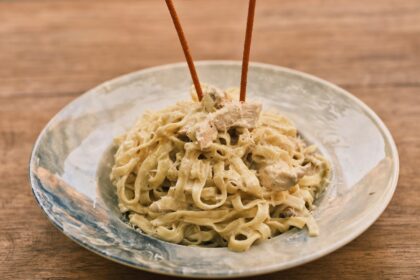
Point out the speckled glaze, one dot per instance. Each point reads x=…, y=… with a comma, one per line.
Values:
x=71, y=161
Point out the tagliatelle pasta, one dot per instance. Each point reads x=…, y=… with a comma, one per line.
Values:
x=217, y=173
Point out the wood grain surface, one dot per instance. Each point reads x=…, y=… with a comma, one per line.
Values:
x=52, y=51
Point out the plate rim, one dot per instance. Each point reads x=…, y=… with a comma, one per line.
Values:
x=253, y=272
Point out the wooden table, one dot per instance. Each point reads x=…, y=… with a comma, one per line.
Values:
x=52, y=51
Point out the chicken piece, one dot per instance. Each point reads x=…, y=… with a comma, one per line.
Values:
x=213, y=98
x=236, y=114
x=205, y=133
x=280, y=176
x=233, y=114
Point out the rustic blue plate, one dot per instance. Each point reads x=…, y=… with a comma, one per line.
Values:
x=71, y=160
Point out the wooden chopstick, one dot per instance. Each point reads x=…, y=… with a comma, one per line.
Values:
x=247, y=48
x=185, y=48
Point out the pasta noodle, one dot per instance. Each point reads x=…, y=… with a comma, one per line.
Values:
x=217, y=173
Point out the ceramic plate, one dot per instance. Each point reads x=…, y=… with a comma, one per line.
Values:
x=71, y=161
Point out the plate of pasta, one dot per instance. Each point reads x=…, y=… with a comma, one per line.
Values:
x=141, y=171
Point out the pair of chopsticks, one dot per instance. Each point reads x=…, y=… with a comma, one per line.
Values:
x=188, y=57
